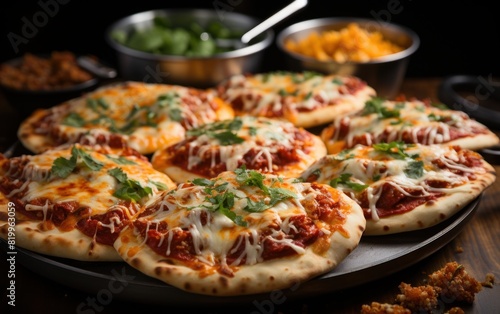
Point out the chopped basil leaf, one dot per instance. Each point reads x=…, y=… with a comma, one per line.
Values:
x=344, y=179
x=337, y=81
x=415, y=169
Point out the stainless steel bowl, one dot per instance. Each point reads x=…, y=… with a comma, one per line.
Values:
x=189, y=71
x=384, y=74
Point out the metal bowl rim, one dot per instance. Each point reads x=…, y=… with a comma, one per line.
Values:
x=314, y=23
x=147, y=15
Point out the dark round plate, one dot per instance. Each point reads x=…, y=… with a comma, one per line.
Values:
x=374, y=258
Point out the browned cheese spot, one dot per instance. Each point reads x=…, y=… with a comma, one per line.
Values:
x=223, y=281
x=136, y=262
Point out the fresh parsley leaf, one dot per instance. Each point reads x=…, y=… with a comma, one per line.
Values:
x=121, y=160
x=203, y=182
x=394, y=149
x=87, y=159
x=345, y=179
x=160, y=185
x=415, y=169
x=73, y=119
x=130, y=190
x=62, y=167
x=223, y=131
x=227, y=138
x=376, y=106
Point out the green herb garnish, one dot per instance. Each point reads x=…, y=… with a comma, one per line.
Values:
x=415, y=169
x=345, y=179
x=62, y=167
x=129, y=189
x=376, y=106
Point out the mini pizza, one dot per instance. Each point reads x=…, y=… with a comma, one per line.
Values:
x=405, y=187
x=383, y=121
x=242, y=232
x=143, y=116
x=259, y=143
x=72, y=201
x=306, y=99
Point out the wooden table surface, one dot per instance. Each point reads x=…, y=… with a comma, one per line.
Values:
x=476, y=247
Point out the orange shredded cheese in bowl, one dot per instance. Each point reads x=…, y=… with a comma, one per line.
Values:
x=350, y=44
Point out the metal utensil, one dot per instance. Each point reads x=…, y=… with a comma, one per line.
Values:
x=259, y=28
x=96, y=68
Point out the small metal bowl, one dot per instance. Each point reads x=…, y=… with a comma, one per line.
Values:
x=384, y=74
x=189, y=71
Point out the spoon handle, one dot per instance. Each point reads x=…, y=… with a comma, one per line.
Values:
x=273, y=19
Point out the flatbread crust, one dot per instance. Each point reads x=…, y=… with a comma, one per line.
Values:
x=232, y=258
x=258, y=143
x=143, y=116
x=306, y=99
x=410, y=121
x=426, y=186
x=80, y=215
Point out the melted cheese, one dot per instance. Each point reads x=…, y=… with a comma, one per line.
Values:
x=261, y=134
x=415, y=118
x=162, y=125
x=261, y=93
x=92, y=188
x=214, y=240
x=373, y=168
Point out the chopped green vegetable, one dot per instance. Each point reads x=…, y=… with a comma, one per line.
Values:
x=181, y=40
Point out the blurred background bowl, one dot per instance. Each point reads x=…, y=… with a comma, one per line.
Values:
x=385, y=74
x=25, y=98
x=195, y=71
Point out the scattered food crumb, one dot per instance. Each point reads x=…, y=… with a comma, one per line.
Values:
x=384, y=308
x=452, y=283
x=418, y=299
x=455, y=282
x=459, y=249
x=489, y=281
